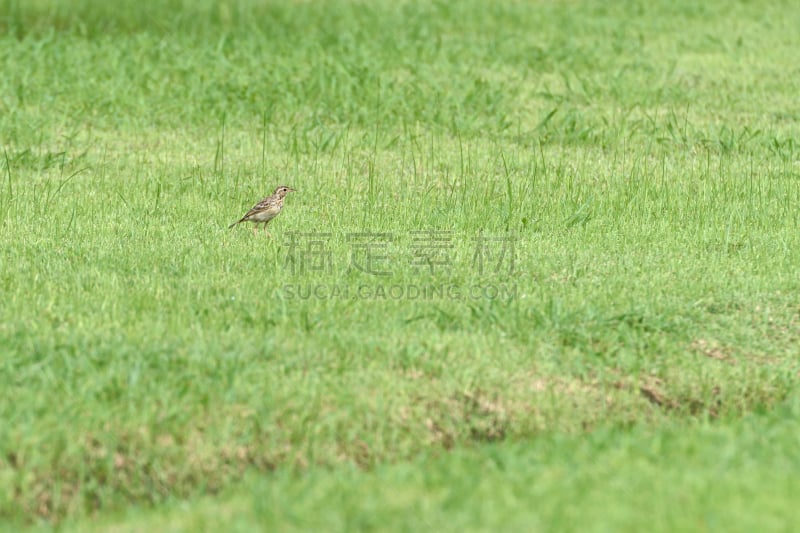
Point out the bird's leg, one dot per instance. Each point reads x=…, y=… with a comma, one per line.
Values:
x=255, y=230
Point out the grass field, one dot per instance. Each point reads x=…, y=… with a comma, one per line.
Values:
x=541, y=271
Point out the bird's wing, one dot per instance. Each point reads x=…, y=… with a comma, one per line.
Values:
x=263, y=205
x=266, y=203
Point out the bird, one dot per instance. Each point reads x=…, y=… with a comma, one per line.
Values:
x=266, y=209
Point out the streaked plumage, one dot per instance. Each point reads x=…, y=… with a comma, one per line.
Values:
x=266, y=209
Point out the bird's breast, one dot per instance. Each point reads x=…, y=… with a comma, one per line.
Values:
x=266, y=214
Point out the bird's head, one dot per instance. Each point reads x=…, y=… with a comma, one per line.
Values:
x=283, y=190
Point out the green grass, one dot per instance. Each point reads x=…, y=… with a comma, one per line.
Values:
x=640, y=159
x=670, y=479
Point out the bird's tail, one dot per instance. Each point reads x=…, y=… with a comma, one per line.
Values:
x=232, y=225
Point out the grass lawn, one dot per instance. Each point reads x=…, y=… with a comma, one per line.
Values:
x=739, y=476
x=541, y=270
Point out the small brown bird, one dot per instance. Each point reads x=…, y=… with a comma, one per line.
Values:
x=266, y=209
